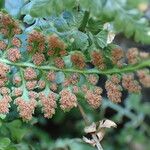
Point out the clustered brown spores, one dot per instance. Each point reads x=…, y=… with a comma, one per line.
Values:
x=113, y=89
x=33, y=87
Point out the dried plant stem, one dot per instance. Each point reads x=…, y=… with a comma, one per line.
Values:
x=129, y=68
x=98, y=145
x=87, y=122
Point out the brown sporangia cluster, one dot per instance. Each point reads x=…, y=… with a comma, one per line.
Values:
x=78, y=60
x=113, y=89
x=36, y=42
x=49, y=104
x=4, y=91
x=3, y=45
x=144, y=77
x=13, y=54
x=132, y=56
x=30, y=74
x=17, y=91
x=98, y=59
x=43, y=78
x=38, y=58
x=8, y=25
x=93, y=79
x=46, y=48
x=26, y=108
x=72, y=79
x=16, y=42
x=59, y=62
x=117, y=56
x=68, y=100
x=4, y=104
x=129, y=83
x=41, y=84
x=9, y=28
x=94, y=98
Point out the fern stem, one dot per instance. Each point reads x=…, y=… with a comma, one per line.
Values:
x=126, y=69
x=84, y=21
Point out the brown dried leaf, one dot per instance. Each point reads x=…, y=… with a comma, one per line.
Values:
x=100, y=134
x=90, y=129
x=106, y=123
x=110, y=37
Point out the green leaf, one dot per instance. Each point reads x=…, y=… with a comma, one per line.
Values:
x=94, y=6
x=142, y=35
x=44, y=8
x=14, y=7
x=73, y=18
x=2, y=3
x=15, y=123
x=129, y=30
x=18, y=134
x=41, y=8
x=28, y=19
x=108, y=10
x=61, y=24
x=4, y=142
x=59, y=116
x=80, y=40
x=26, y=9
x=17, y=130
x=145, y=108
x=131, y=23
x=11, y=148
x=68, y=62
x=72, y=144
x=1, y=123
x=136, y=3
x=60, y=77
x=2, y=116
x=82, y=80
x=101, y=39
x=94, y=25
x=111, y=8
x=133, y=101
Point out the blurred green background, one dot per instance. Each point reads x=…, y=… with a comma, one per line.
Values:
x=65, y=130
